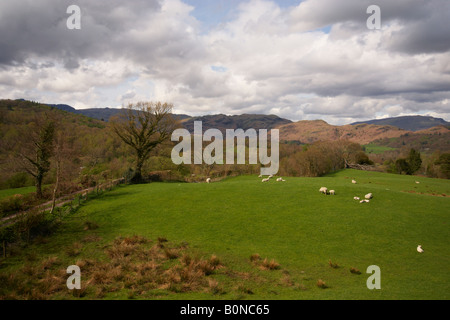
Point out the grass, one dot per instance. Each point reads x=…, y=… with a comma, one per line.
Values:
x=10, y=192
x=258, y=240
x=376, y=149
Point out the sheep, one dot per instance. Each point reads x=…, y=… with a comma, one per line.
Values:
x=368, y=196
x=323, y=190
x=417, y=182
x=355, y=198
x=265, y=179
x=332, y=192
x=208, y=180
x=260, y=176
x=271, y=176
x=280, y=179
x=419, y=248
x=353, y=181
x=363, y=201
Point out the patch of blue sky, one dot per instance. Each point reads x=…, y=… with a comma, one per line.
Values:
x=212, y=13
x=220, y=69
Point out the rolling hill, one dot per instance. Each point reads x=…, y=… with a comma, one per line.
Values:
x=319, y=130
x=411, y=123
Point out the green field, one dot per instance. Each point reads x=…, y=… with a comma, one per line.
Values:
x=290, y=222
x=376, y=149
x=10, y=192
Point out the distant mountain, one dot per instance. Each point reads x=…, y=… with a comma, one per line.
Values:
x=103, y=114
x=307, y=131
x=63, y=107
x=243, y=121
x=411, y=123
x=218, y=121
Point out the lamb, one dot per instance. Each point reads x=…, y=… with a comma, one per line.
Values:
x=323, y=190
x=353, y=181
x=265, y=179
x=368, y=196
x=332, y=192
x=419, y=249
x=208, y=180
x=363, y=201
x=280, y=179
x=355, y=198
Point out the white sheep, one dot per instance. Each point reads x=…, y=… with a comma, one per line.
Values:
x=353, y=181
x=355, y=198
x=265, y=179
x=417, y=182
x=271, y=176
x=208, y=180
x=260, y=176
x=419, y=248
x=323, y=190
x=332, y=192
x=364, y=201
x=280, y=179
x=368, y=196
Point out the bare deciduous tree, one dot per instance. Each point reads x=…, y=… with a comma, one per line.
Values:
x=143, y=126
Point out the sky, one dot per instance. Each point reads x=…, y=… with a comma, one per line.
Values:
x=299, y=60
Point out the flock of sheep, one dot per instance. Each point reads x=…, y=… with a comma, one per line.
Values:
x=280, y=179
x=367, y=197
x=325, y=190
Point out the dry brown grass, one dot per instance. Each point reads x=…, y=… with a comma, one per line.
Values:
x=135, y=264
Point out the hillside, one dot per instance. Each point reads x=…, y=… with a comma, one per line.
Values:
x=411, y=123
x=428, y=140
x=130, y=244
x=244, y=121
x=318, y=130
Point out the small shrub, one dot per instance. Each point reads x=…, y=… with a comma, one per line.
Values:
x=74, y=249
x=333, y=265
x=321, y=284
x=170, y=253
x=90, y=225
x=355, y=271
x=269, y=265
x=49, y=263
x=255, y=257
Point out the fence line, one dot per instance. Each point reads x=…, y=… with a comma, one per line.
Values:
x=9, y=220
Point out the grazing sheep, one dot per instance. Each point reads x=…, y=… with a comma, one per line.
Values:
x=368, y=196
x=323, y=190
x=353, y=181
x=355, y=198
x=417, y=182
x=363, y=201
x=208, y=180
x=419, y=248
x=265, y=179
x=332, y=192
x=280, y=179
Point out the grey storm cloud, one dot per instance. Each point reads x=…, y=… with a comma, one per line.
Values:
x=272, y=59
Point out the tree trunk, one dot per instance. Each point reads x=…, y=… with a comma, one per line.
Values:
x=38, y=184
x=137, y=177
x=55, y=190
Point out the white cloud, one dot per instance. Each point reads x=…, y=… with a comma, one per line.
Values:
x=267, y=59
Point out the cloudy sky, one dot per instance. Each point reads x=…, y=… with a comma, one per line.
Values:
x=310, y=59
